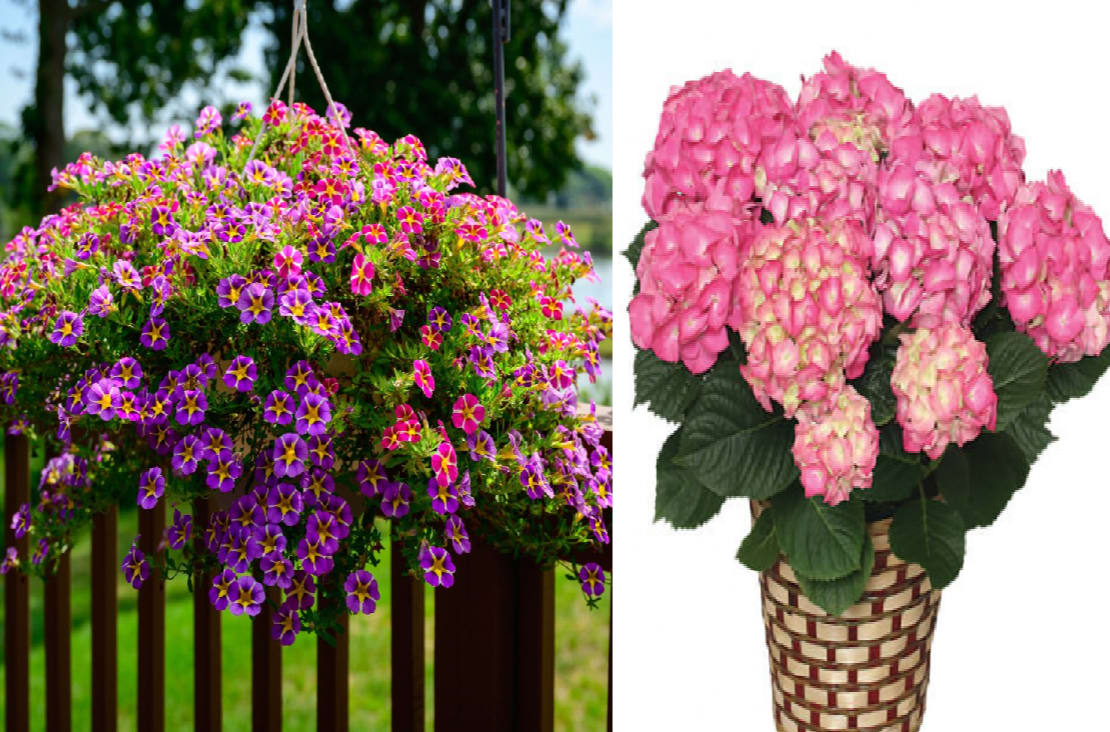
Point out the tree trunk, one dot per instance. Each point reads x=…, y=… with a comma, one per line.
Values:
x=48, y=130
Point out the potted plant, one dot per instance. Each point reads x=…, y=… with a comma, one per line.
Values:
x=860, y=314
x=312, y=330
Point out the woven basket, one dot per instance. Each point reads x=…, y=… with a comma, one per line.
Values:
x=866, y=670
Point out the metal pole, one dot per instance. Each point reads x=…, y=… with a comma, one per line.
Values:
x=500, y=37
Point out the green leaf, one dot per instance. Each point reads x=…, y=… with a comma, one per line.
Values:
x=733, y=445
x=1018, y=369
x=668, y=389
x=1070, y=380
x=1030, y=428
x=998, y=469
x=836, y=596
x=874, y=384
x=820, y=541
x=953, y=477
x=896, y=474
x=632, y=253
x=978, y=479
x=680, y=499
x=760, y=547
x=930, y=533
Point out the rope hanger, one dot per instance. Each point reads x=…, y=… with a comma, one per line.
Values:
x=300, y=33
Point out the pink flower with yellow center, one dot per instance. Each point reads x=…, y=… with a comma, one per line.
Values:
x=468, y=414
x=422, y=376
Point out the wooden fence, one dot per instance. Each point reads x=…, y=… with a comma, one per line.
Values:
x=494, y=639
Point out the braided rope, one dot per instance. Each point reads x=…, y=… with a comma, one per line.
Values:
x=299, y=34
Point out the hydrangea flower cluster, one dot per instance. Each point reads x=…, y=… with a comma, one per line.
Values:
x=944, y=391
x=304, y=340
x=1056, y=270
x=825, y=215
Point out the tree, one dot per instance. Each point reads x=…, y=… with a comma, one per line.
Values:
x=123, y=54
x=425, y=67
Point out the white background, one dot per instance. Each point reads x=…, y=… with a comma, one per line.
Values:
x=1023, y=639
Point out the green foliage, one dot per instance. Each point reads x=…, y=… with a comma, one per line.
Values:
x=837, y=595
x=680, y=498
x=668, y=389
x=425, y=68
x=930, y=533
x=874, y=384
x=1071, y=380
x=897, y=473
x=1030, y=428
x=821, y=541
x=733, y=445
x=760, y=547
x=1018, y=369
x=979, y=478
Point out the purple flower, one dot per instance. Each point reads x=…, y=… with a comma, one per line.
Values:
x=316, y=484
x=270, y=540
x=396, y=317
x=125, y=275
x=296, y=304
x=362, y=592
x=151, y=487
x=287, y=623
x=371, y=477
x=592, y=577
x=444, y=498
x=395, y=499
x=302, y=590
x=313, y=414
x=186, y=455
x=456, y=535
x=313, y=557
x=213, y=442
x=155, y=334
x=481, y=446
x=463, y=487
x=279, y=408
x=439, y=569
x=322, y=529
x=284, y=504
x=289, y=455
x=101, y=398
x=100, y=302
x=191, y=408
x=161, y=222
x=300, y=378
x=135, y=568
x=178, y=532
x=220, y=592
x=242, y=372
x=67, y=329
x=223, y=471
x=128, y=371
x=248, y=596
x=320, y=451
x=255, y=304
x=230, y=289
x=439, y=319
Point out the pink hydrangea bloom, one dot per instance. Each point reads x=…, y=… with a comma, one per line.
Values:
x=1056, y=270
x=856, y=106
x=836, y=445
x=686, y=270
x=943, y=389
x=933, y=257
x=971, y=146
x=711, y=133
x=806, y=310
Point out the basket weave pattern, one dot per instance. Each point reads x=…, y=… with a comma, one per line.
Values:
x=866, y=670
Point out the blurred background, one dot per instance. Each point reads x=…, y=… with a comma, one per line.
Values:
x=110, y=76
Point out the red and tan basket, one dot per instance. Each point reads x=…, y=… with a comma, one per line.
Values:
x=866, y=670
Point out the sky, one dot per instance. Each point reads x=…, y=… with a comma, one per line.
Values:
x=587, y=31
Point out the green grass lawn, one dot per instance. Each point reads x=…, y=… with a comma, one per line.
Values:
x=581, y=657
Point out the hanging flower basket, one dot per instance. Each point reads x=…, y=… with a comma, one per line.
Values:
x=860, y=314
x=320, y=334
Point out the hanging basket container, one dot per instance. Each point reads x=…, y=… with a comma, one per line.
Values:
x=866, y=669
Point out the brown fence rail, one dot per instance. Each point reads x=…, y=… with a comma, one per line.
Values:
x=494, y=650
